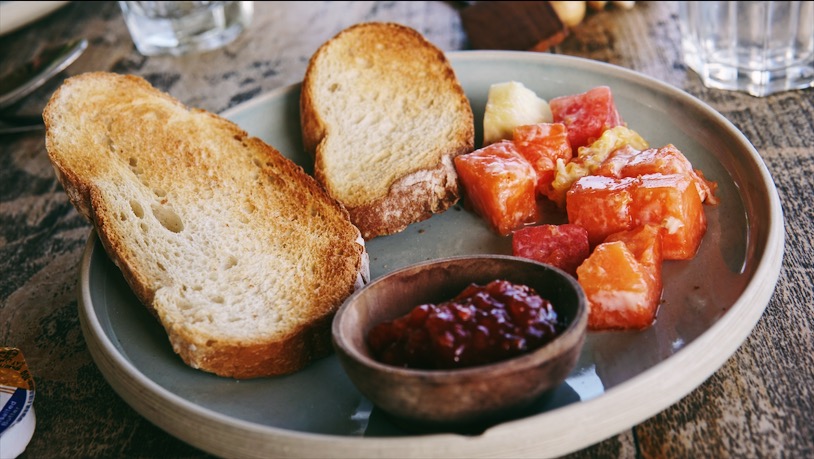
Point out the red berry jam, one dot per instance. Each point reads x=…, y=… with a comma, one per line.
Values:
x=483, y=324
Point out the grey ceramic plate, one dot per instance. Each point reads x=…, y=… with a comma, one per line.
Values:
x=622, y=378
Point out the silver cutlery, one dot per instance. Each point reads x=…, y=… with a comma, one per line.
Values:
x=23, y=80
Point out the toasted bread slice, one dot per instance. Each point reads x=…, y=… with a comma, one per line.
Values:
x=383, y=114
x=239, y=253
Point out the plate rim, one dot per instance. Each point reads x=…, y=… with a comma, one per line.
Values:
x=212, y=431
x=24, y=13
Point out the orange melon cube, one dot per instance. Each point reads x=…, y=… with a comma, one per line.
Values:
x=499, y=185
x=622, y=280
x=605, y=205
x=672, y=202
x=601, y=205
x=542, y=145
x=630, y=162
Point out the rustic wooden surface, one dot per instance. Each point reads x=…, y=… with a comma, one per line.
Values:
x=759, y=404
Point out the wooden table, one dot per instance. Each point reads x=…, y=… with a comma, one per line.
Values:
x=759, y=404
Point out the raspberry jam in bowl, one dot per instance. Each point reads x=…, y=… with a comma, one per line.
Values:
x=461, y=342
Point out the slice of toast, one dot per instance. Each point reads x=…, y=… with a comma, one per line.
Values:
x=383, y=114
x=239, y=253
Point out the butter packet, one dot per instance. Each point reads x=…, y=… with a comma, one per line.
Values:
x=17, y=419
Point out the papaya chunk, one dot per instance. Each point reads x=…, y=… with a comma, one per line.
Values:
x=542, y=145
x=605, y=205
x=601, y=205
x=630, y=162
x=499, y=185
x=672, y=202
x=622, y=279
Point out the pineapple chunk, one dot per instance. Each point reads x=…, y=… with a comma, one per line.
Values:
x=511, y=104
x=589, y=158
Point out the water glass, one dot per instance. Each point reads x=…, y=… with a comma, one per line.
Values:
x=178, y=28
x=759, y=47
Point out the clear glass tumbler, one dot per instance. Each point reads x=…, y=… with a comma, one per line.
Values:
x=178, y=28
x=759, y=47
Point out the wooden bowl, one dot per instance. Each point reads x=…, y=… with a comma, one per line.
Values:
x=468, y=396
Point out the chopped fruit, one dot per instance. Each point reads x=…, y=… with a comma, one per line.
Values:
x=614, y=209
x=605, y=205
x=672, y=202
x=601, y=205
x=542, y=145
x=587, y=115
x=631, y=162
x=509, y=105
x=564, y=246
x=622, y=280
x=499, y=184
x=641, y=241
x=589, y=158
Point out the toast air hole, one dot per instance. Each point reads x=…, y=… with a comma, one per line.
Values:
x=168, y=218
x=138, y=211
x=133, y=163
x=230, y=262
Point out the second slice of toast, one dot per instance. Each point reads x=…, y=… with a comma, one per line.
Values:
x=384, y=114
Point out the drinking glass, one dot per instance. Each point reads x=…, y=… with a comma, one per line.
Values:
x=759, y=47
x=178, y=28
